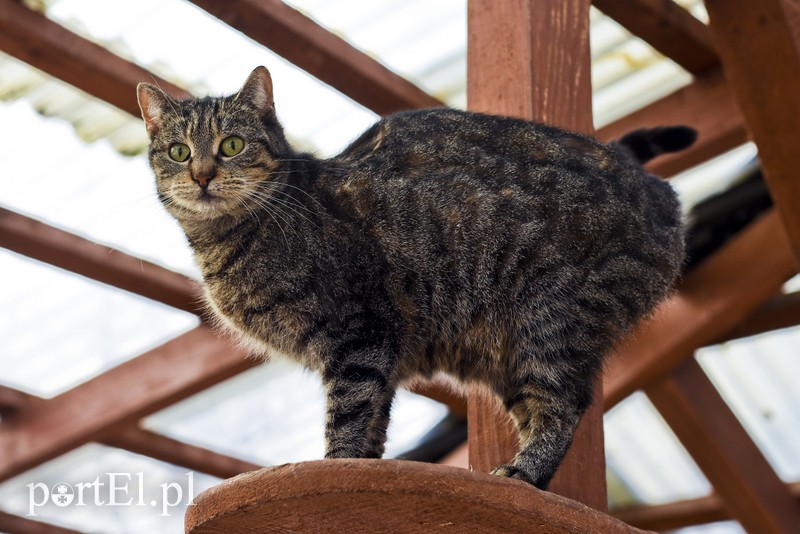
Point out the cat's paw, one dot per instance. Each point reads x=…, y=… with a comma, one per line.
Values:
x=512, y=471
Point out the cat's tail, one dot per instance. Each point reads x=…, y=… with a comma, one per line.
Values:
x=647, y=143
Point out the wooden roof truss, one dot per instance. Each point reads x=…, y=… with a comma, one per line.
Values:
x=747, y=46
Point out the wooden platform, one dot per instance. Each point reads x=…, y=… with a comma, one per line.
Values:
x=369, y=496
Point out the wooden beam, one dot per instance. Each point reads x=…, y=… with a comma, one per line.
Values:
x=760, y=51
x=11, y=400
x=160, y=447
x=531, y=60
x=42, y=242
x=782, y=311
x=668, y=28
x=682, y=514
x=140, y=441
x=16, y=524
x=713, y=298
x=750, y=489
x=500, y=79
x=674, y=515
x=706, y=105
x=118, y=397
x=297, y=38
x=33, y=38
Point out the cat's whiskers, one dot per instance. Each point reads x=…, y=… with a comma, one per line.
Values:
x=289, y=202
x=241, y=200
x=306, y=193
x=293, y=159
x=291, y=208
x=278, y=204
x=274, y=188
x=250, y=196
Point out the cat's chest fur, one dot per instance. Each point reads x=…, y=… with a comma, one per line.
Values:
x=247, y=295
x=294, y=294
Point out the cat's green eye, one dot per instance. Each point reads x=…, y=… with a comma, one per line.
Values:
x=231, y=146
x=179, y=152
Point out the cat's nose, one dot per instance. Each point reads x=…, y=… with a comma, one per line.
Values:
x=203, y=178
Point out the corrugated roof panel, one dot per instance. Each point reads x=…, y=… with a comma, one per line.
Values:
x=759, y=378
x=208, y=57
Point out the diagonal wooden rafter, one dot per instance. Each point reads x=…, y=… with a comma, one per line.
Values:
x=322, y=54
x=707, y=105
x=760, y=48
x=14, y=523
x=48, y=46
x=710, y=302
x=13, y=404
x=667, y=27
x=748, y=486
x=782, y=311
x=166, y=449
x=120, y=396
x=45, y=243
x=680, y=514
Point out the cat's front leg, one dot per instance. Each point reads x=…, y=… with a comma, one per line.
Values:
x=360, y=391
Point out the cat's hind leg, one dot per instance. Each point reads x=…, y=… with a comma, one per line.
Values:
x=360, y=390
x=546, y=415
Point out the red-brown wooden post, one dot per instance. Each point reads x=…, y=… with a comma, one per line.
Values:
x=531, y=59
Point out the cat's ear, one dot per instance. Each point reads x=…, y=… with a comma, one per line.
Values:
x=257, y=90
x=154, y=103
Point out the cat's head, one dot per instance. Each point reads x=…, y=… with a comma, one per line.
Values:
x=214, y=156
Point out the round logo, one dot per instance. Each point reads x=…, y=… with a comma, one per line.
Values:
x=62, y=494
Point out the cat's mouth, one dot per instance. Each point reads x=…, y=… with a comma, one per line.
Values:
x=202, y=202
x=206, y=198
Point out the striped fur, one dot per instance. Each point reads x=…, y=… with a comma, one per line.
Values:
x=502, y=252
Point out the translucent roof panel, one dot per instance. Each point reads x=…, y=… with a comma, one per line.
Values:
x=758, y=377
x=648, y=459
x=423, y=41
x=276, y=414
x=65, y=329
x=721, y=527
x=717, y=174
x=152, y=495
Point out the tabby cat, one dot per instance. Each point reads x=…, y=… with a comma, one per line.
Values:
x=499, y=251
